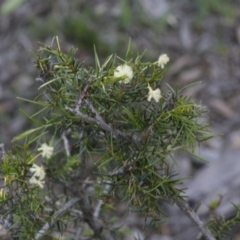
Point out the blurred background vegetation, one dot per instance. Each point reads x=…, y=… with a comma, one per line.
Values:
x=202, y=38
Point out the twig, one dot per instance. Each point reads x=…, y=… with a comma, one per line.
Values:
x=99, y=123
x=100, y=201
x=79, y=231
x=95, y=223
x=98, y=117
x=184, y=206
x=47, y=225
x=83, y=95
x=66, y=142
x=88, y=215
x=118, y=172
x=81, y=149
x=98, y=120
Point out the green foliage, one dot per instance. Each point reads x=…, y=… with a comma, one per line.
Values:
x=25, y=201
x=160, y=128
x=221, y=228
x=102, y=130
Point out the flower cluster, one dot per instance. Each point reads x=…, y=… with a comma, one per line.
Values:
x=38, y=171
x=126, y=73
x=38, y=175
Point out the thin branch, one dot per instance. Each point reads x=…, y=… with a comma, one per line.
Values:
x=127, y=167
x=98, y=122
x=118, y=172
x=66, y=142
x=83, y=95
x=91, y=217
x=79, y=231
x=57, y=214
x=95, y=223
x=98, y=116
x=88, y=215
x=81, y=149
x=184, y=206
x=97, y=208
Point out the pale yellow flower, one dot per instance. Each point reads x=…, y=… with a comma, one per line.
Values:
x=155, y=94
x=38, y=171
x=125, y=72
x=163, y=60
x=38, y=182
x=47, y=151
